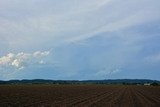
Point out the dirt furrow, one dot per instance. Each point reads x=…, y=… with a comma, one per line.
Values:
x=79, y=96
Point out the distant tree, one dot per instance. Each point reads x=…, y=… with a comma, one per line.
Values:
x=154, y=84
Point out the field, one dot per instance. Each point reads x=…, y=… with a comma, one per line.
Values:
x=79, y=96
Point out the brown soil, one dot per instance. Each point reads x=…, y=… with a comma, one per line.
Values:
x=79, y=96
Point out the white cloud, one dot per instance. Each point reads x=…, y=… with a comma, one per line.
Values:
x=108, y=71
x=6, y=59
x=16, y=63
x=41, y=62
x=40, y=54
x=21, y=60
x=13, y=63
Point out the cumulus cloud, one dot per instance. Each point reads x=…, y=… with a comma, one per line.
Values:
x=21, y=60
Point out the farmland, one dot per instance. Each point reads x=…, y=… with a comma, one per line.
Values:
x=79, y=96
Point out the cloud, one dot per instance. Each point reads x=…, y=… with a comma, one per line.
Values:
x=13, y=65
x=21, y=60
x=82, y=20
x=119, y=25
x=108, y=71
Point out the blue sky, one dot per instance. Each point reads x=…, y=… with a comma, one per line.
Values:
x=79, y=39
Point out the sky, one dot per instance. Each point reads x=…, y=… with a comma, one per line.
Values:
x=79, y=39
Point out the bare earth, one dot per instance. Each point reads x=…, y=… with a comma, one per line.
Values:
x=79, y=96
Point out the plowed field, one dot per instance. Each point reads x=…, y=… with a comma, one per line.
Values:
x=79, y=96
